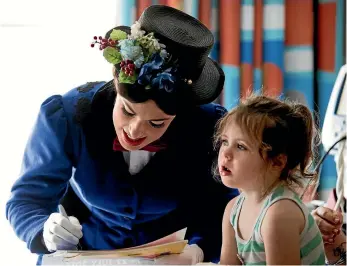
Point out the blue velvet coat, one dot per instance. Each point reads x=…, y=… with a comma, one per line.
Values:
x=69, y=159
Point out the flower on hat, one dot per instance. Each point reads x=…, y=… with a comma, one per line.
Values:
x=141, y=57
x=164, y=81
x=130, y=51
x=136, y=31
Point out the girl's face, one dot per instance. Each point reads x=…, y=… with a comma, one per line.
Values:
x=138, y=124
x=239, y=162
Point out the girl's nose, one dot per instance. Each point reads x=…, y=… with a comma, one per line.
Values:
x=227, y=153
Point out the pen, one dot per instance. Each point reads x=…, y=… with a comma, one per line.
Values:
x=63, y=212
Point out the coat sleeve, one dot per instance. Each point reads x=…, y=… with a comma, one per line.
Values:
x=205, y=229
x=46, y=170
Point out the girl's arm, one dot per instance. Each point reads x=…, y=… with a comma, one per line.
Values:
x=229, y=247
x=281, y=230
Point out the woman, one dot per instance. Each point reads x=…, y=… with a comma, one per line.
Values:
x=330, y=224
x=131, y=158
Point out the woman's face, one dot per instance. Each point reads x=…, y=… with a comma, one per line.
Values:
x=138, y=124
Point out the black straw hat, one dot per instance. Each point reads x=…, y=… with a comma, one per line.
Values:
x=188, y=41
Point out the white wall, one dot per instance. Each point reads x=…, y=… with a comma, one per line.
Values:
x=44, y=50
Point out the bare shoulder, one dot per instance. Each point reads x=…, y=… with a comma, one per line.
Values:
x=230, y=205
x=284, y=213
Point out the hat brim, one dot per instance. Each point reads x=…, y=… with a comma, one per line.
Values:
x=207, y=87
x=210, y=83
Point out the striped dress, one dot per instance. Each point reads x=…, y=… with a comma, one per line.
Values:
x=252, y=252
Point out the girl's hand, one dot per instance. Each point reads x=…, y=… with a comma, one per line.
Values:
x=329, y=223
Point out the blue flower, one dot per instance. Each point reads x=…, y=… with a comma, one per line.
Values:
x=130, y=51
x=149, y=69
x=164, y=81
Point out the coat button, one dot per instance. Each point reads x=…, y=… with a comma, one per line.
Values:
x=128, y=242
x=128, y=210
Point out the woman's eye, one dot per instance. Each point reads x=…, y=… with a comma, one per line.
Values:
x=241, y=147
x=125, y=112
x=156, y=124
x=224, y=142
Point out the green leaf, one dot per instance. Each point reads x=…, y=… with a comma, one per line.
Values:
x=117, y=35
x=112, y=55
x=123, y=78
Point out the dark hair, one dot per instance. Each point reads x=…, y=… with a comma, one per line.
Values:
x=169, y=102
x=279, y=127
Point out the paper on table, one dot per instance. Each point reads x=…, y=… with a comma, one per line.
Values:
x=171, y=244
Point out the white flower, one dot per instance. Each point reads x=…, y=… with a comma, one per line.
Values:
x=156, y=44
x=163, y=54
x=136, y=31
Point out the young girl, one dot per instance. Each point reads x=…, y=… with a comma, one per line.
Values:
x=265, y=150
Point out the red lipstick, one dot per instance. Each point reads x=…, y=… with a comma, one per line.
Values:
x=132, y=142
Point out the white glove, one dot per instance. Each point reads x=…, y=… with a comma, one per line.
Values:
x=61, y=233
x=191, y=254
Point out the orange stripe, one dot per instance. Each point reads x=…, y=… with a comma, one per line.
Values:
x=273, y=79
x=326, y=36
x=258, y=33
x=299, y=22
x=162, y=2
x=246, y=80
x=205, y=12
x=230, y=31
x=175, y=4
x=141, y=5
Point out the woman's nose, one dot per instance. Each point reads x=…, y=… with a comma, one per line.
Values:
x=135, y=129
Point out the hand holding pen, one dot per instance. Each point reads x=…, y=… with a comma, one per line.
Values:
x=62, y=232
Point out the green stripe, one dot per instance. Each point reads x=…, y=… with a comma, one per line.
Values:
x=256, y=263
x=251, y=246
x=233, y=220
x=311, y=245
x=320, y=260
x=310, y=222
x=278, y=192
x=296, y=196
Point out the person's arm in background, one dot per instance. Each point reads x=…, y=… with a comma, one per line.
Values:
x=329, y=223
x=46, y=171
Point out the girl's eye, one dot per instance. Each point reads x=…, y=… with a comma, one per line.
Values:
x=125, y=112
x=156, y=124
x=241, y=147
x=224, y=142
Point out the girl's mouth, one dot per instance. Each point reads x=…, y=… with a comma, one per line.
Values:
x=132, y=142
x=224, y=171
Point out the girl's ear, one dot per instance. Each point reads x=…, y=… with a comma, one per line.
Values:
x=279, y=162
